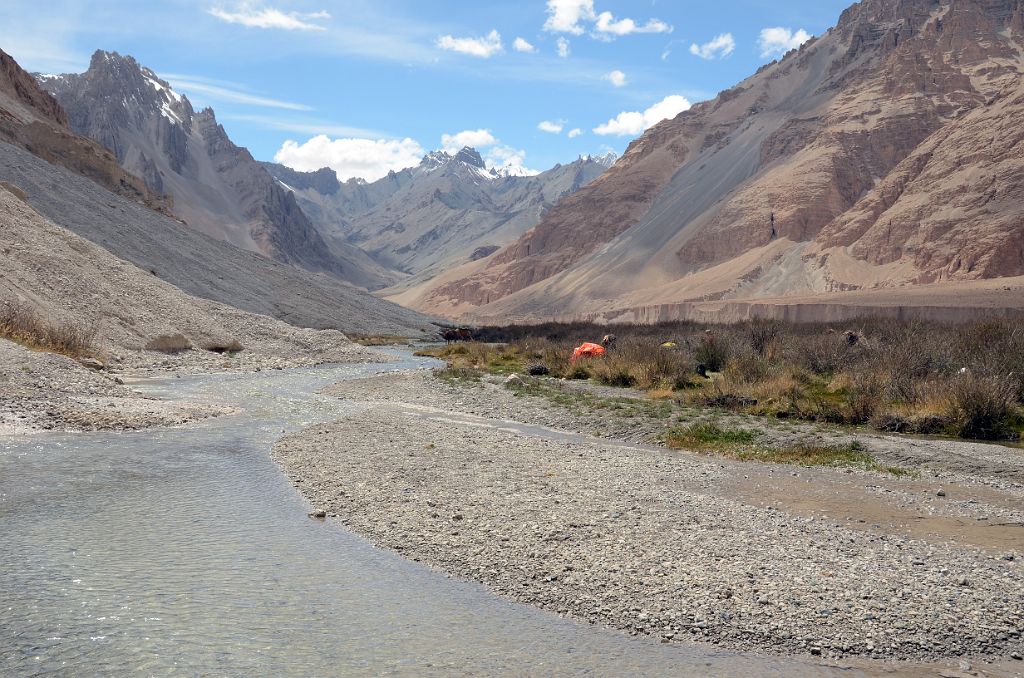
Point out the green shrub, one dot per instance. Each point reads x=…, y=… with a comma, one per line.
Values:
x=712, y=352
x=982, y=407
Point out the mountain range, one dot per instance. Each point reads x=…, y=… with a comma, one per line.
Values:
x=217, y=187
x=448, y=210
x=77, y=184
x=884, y=155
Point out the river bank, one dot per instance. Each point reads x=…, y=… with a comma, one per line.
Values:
x=42, y=391
x=186, y=550
x=771, y=558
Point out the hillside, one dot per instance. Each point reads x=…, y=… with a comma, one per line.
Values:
x=199, y=265
x=70, y=280
x=217, y=187
x=448, y=210
x=887, y=150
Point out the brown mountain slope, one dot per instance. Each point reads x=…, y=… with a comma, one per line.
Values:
x=889, y=117
x=32, y=119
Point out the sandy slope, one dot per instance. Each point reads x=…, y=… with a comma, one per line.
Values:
x=69, y=280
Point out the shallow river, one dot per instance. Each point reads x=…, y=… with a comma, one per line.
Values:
x=186, y=552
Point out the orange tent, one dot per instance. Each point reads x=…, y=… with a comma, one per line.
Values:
x=587, y=350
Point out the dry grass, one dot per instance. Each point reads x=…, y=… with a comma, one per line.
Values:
x=894, y=376
x=22, y=323
x=169, y=343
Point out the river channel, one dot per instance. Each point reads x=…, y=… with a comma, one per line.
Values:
x=186, y=551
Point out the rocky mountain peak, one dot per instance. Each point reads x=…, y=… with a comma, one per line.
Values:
x=606, y=160
x=471, y=157
x=435, y=159
x=126, y=87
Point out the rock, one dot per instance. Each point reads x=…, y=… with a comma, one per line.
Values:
x=538, y=371
x=91, y=363
x=514, y=380
x=940, y=493
x=1017, y=656
x=319, y=513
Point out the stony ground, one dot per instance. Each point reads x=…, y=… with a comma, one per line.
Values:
x=763, y=557
x=48, y=392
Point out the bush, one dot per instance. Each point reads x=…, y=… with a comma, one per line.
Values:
x=982, y=407
x=619, y=379
x=748, y=368
x=169, y=343
x=712, y=352
x=231, y=346
x=578, y=372
x=864, y=398
x=763, y=337
x=22, y=323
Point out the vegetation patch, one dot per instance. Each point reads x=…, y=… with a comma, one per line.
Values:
x=22, y=323
x=169, y=343
x=380, y=340
x=708, y=435
x=894, y=376
x=229, y=346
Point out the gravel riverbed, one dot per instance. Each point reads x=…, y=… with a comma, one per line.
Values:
x=670, y=544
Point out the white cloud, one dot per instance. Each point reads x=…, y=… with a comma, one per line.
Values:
x=571, y=16
x=563, y=47
x=722, y=46
x=551, y=127
x=521, y=45
x=184, y=83
x=484, y=47
x=477, y=138
x=575, y=132
x=364, y=158
x=633, y=123
x=247, y=14
x=617, y=78
x=777, y=41
x=606, y=23
x=508, y=159
x=565, y=16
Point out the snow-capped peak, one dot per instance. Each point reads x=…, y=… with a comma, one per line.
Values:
x=606, y=160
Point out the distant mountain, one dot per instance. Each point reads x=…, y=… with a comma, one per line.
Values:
x=217, y=187
x=32, y=119
x=883, y=155
x=448, y=210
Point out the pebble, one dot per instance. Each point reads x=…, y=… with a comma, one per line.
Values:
x=638, y=539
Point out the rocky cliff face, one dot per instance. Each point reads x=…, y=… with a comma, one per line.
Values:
x=881, y=154
x=32, y=119
x=218, y=188
x=448, y=210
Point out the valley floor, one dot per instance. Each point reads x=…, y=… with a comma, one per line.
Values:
x=546, y=499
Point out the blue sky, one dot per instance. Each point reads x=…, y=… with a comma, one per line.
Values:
x=367, y=85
